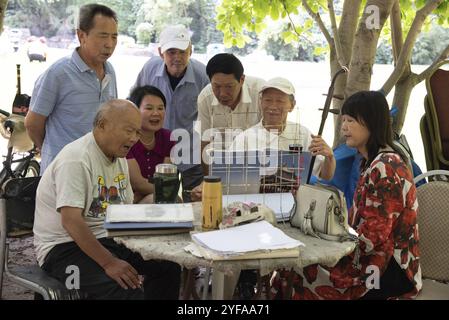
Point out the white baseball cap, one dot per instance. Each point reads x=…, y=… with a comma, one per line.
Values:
x=281, y=84
x=174, y=37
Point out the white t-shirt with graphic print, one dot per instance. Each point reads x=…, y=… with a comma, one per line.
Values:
x=80, y=176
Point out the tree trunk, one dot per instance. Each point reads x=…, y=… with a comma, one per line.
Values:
x=365, y=47
x=346, y=30
x=403, y=90
x=339, y=90
x=3, y=5
x=364, y=53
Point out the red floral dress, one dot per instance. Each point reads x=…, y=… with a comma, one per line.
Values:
x=384, y=215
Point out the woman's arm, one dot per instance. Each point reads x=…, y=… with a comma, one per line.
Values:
x=384, y=200
x=138, y=182
x=328, y=167
x=319, y=147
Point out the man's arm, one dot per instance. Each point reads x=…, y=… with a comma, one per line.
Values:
x=119, y=270
x=35, y=126
x=204, y=121
x=204, y=165
x=138, y=182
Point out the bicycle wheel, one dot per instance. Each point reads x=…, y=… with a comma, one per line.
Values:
x=33, y=169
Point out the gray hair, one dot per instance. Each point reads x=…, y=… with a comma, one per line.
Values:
x=115, y=105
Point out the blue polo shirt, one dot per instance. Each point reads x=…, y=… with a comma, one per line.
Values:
x=181, y=109
x=69, y=94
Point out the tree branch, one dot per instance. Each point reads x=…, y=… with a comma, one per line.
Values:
x=396, y=30
x=337, y=42
x=294, y=25
x=319, y=21
x=348, y=26
x=404, y=56
x=3, y=5
x=435, y=65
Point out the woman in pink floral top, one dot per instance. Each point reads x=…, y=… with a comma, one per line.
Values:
x=383, y=214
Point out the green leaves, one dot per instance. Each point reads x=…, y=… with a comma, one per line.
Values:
x=235, y=17
x=320, y=50
x=420, y=3
x=274, y=12
x=259, y=27
x=289, y=36
x=235, y=22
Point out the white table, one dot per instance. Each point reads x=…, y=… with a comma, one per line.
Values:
x=225, y=275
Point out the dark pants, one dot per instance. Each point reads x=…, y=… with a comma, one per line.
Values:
x=190, y=179
x=161, y=282
x=393, y=283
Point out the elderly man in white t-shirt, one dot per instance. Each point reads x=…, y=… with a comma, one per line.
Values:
x=275, y=132
x=71, y=200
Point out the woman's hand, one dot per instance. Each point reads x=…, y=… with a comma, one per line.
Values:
x=319, y=147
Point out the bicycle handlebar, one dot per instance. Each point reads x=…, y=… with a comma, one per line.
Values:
x=5, y=113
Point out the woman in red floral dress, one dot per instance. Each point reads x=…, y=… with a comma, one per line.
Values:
x=383, y=214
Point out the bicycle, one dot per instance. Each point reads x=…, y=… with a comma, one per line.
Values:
x=18, y=163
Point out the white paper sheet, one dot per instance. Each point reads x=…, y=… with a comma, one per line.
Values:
x=246, y=238
x=201, y=252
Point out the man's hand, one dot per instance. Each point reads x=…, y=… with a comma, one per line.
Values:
x=197, y=193
x=122, y=272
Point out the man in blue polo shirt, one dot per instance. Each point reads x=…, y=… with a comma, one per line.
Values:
x=181, y=79
x=67, y=96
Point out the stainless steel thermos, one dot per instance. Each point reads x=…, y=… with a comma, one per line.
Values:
x=166, y=183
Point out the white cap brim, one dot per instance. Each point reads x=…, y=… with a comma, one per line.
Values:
x=280, y=88
x=181, y=45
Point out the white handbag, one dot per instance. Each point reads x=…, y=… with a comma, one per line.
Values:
x=321, y=211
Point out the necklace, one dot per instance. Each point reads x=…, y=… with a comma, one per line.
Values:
x=147, y=143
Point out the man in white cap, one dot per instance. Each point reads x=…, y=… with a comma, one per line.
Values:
x=275, y=132
x=277, y=99
x=181, y=79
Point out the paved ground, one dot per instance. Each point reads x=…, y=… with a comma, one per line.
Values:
x=20, y=252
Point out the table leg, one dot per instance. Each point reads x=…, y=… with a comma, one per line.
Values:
x=206, y=283
x=223, y=286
